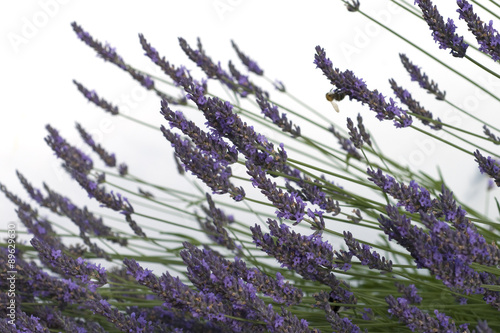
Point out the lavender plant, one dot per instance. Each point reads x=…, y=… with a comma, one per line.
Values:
x=279, y=231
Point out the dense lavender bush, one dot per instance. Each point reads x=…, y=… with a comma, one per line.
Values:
x=311, y=237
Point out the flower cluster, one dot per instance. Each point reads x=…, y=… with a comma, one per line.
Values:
x=271, y=111
x=337, y=323
x=367, y=257
x=250, y=272
x=413, y=197
x=214, y=173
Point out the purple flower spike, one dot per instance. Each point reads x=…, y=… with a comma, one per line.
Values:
x=338, y=324
x=346, y=144
x=109, y=159
x=443, y=33
x=109, y=53
x=280, y=120
x=487, y=36
x=290, y=205
x=489, y=134
x=482, y=327
x=68, y=266
x=211, y=144
x=489, y=166
x=207, y=65
x=251, y=65
x=410, y=293
x=363, y=253
x=417, y=320
x=352, y=6
x=214, y=225
x=309, y=256
x=94, y=98
x=210, y=272
x=355, y=136
x=347, y=83
x=413, y=197
x=86, y=221
x=214, y=173
x=246, y=86
x=195, y=304
x=73, y=158
x=414, y=106
x=422, y=78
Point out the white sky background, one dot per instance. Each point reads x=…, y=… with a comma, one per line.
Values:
x=37, y=74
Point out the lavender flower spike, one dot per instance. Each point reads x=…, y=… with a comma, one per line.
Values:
x=363, y=253
x=213, y=172
x=94, y=98
x=422, y=78
x=73, y=158
x=290, y=205
x=82, y=270
x=109, y=159
x=310, y=256
x=338, y=324
x=495, y=139
x=352, y=7
x=108, y=53
x=417, y=320
x=443, y=33
x=346, y=144
x=214, y=225
x=486, y=35
x=272, y=112
x=347, y=83
x=251, y=65
x=489, y=166
x=209, y=143
x=414, y=106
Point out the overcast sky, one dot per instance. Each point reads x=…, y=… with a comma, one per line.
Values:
x=41, y=56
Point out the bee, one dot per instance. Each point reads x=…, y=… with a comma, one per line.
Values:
x=335, y=95
x=335, y=308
